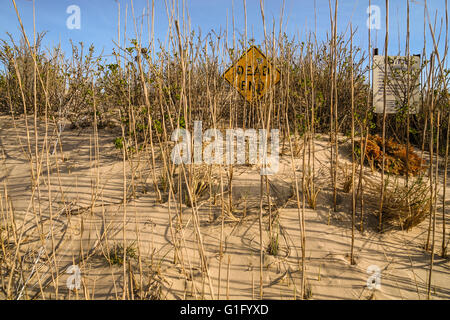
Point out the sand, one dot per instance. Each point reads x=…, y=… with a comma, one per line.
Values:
x=86, y=214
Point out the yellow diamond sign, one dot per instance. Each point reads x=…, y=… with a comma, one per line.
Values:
x=252, y=75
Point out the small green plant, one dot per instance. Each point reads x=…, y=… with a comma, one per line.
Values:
x=118, y=143
x=274, y=245
x=116, y=254
x=158, y=126
x=357, y=151
x=182, y=122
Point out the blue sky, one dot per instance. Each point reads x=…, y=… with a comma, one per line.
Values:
x=99, y=20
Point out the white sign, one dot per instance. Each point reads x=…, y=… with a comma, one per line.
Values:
x=397, y=84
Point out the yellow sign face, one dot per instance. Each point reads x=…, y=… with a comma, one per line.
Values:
x=252, y=75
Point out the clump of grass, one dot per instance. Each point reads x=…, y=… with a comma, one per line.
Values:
x=163, y=183
x=200, y=187
x=348, y=184
x=311, y=193
x=407, y=206
x=116, y=253
x=151, y=290
x=274, y=245
x=308, y=293
x=396, y=157
x=347, y=180
x=6, y=241
x=200, y=180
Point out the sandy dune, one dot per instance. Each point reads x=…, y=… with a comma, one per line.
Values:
x=83, y=205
